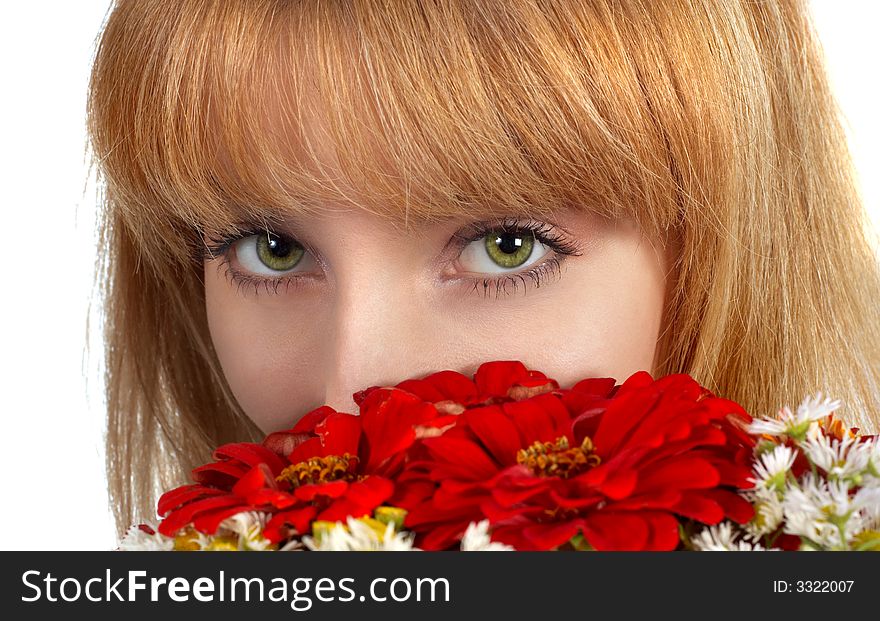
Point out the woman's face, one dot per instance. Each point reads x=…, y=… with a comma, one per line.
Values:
x=352, y=301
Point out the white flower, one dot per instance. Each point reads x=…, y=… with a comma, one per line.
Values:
x=248, y=527
x=772, y=467
x=823, y=511
x=841, y=459
x=476, y=539
x=722, y=538
x=360, y=537
x=294, y=545
x=768, y=512
x=867, y=502
x=136, y=540
x=333, y=539
x=795, y=425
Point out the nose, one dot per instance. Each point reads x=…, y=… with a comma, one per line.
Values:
x=378, y=334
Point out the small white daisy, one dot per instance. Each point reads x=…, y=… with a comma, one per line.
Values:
x=795, y=424
x=772, y=467
x=294, y=545
x=476, y=539
x=360, y=537
x=840, y=459
x=821, y=511
x=768, y=512
x=722, y=538
x=336, y=538
x=248, y=527
x=867, y=503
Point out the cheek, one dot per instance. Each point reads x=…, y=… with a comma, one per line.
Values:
x=606, y=317
x=265, y=351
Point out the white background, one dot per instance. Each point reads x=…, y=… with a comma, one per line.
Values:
x=53, y=491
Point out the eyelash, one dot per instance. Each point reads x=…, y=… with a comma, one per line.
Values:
x=543, y=232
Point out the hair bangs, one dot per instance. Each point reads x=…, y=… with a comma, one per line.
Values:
x=414, y=111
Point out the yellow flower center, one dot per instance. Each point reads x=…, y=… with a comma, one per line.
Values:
x=321, y=470
x=557, y=459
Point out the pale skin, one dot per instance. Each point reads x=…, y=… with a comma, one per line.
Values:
x=369, y=304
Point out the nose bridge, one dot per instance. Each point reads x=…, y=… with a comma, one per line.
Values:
x=368, y=333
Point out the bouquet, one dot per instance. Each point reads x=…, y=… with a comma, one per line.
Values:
x=509, y=460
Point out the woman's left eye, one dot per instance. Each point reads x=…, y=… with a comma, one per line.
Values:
x=271, y=255
x=507, y=250
x=512, y=253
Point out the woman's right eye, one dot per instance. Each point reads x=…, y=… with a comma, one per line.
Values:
x=269, y=254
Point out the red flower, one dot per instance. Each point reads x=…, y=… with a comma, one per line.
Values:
x=619, y=466
x=216, y=494
x=494, y=382
x=336, y=465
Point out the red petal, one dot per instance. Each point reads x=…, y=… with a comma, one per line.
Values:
x=309, y=421
x=735, y=506
x=181, y=517
x=609, y=479
x=251, y=454
x=511, y=491
x=657, y=499
x=681, y=473
x=209, y=521
x=698, y=507
x=612, y=531
x=299, y=518
x=442, y=386
x=340, y=434
x=277, y=499
x=182, y=495
x=306, y=450
x=496, y=377
x=575, y=502
x=443, y=536
x=595, y=386
x=283, y=442
x=370, y=491
x=540, y=419
x=624, y=414
x=637, y=380
x=427, y=516
x=460, y=458
x=220, y=473
x=496, y=432
x=334, y=489
x=552, y=534
x=664, y=535
x=255, y=479
x=619, y=484
x=389, y=425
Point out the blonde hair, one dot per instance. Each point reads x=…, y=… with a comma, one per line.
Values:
x=709, y=121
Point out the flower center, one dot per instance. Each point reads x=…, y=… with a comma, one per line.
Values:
x=321, y=470
x=557, y=459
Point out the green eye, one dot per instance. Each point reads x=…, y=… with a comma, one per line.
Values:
x=509, y=249
x=277, y=253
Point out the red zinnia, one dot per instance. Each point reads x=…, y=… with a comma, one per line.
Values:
x=336, y=465
x=618, y=464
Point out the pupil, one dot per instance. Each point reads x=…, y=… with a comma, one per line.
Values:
x=509, y=243
x=280, y=247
